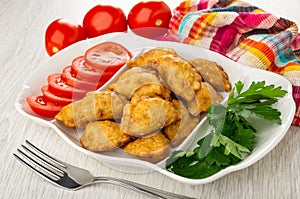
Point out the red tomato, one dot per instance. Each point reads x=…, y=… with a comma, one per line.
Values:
x=103, y=19
x=149, y=19
x=62, y=33
x=85, y=72
x=60, y=88
x=107, y=56
x=41, y=107
x=51, y=97
x=71, y=80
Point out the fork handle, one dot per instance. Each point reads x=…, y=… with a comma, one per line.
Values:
x=150, y=191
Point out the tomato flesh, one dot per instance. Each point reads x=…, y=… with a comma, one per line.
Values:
x=51, y=97
x=107, y=56
x=149, y=19
x=84, y=71
x=62, y=33
x=103, y=19
x=70, y=78
x=60, y=88
x=42, y=107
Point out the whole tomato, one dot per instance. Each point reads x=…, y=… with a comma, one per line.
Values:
x=103, y=19
x=149, y=19
x=62, y=33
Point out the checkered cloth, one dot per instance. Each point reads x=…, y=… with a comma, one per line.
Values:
x=243, y=33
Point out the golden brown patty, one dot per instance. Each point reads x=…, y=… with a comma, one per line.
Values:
x=205, y=97
x=178, y=131
x=103, y=136
x=143, y=116
x=153, y=148
x=98, y=105
x=212, y=73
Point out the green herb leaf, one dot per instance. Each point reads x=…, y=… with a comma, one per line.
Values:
x=244, y=135
x=267, y=113
x=232, y=136
x=232, y=147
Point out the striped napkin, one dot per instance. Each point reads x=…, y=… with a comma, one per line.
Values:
x=243, y=33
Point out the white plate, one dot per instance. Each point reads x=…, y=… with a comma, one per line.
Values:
x=268, y=134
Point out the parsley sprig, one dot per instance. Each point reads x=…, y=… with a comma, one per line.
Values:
x=232, y=136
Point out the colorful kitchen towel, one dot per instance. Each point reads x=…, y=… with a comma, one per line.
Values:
x=243, y=33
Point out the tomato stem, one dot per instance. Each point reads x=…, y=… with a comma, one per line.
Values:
x=158, y=22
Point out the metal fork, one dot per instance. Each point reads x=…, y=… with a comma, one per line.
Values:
x=72, y=178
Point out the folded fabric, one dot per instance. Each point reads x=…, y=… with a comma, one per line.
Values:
x=243, y=33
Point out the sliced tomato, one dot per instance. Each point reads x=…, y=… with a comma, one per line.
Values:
x=51, y=97
x=57, y=86
x=42, y=107
x=85, y=72
x=70, y=78
x=106, y=76
x=107, y=56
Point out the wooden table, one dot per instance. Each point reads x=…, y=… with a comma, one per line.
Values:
x=23, y=24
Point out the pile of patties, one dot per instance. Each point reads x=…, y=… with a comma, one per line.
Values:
x=155, y=104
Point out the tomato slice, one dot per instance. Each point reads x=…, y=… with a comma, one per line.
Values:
x=41, y=107
x=85, y=72
x=51, y=97
x=70, y=78
x=57, y=86
x=107, y=56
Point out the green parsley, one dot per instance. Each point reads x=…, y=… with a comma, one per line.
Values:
x=233, y=135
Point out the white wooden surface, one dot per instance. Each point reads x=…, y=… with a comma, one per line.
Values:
x=22, y=24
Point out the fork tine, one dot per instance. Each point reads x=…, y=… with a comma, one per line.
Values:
x=60, y=163
x=42, y=174
x=52, y=166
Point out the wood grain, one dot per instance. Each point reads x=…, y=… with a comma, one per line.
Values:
x=23, y=25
